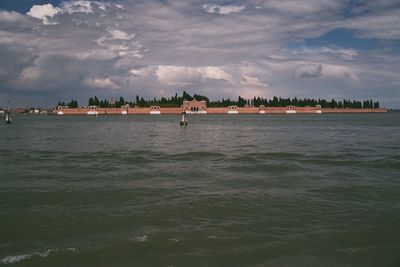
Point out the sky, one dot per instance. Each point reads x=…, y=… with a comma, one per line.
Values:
x=63, y=50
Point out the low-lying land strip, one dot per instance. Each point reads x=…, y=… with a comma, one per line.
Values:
x=218, y=110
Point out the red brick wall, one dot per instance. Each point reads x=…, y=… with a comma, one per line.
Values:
x=353, y=110
x=221, y=110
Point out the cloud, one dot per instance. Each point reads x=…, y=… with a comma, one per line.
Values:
x=44, y=12
x=120, y=35
x=95, y=54
x=251, y=81
x=87, y=7
x=11, y=17
x=222, y=10
x=179, y=75
x=120, y=42
x=100, y=83
x=300, y=7
x=142, y=72
x=382, y=26
x=310, y=70
x=47, y=11
x=78, y=6
x=340, y=72
x=344, y=53
x=30, y=73
x=221, y=49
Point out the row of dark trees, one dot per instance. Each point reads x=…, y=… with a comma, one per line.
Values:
x=283, y=102
x=94, y=101
x=71, y=104
x=177, y=101
x=174, y=101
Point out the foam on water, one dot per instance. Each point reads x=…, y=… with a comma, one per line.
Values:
x=14, y=259
x=141, y=238
x=27, y=256
x=174, y=239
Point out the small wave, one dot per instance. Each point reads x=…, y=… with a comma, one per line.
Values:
x=142, y=238
x=196, y=155
x=390, y=163
x=354, y=250
x=265, y=167
x=18, y=258
x=14, y=259
x=212, y=237
x=174, y=239
x=43, y=254
x=269, y=155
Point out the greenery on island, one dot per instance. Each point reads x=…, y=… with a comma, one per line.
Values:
x=94, y=101
x=177, y=101
x=71, y=104
x=283, y=102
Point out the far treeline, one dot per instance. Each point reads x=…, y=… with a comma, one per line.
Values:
x=177, y=101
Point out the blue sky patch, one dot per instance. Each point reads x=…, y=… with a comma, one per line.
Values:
x=23, y=6
x=342, y=38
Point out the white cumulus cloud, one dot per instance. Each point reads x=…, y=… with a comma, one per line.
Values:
x=78, y=6
x=120, y=35
x=100, y=83
x=44, y=12
x=251, y=81
x=142, y=73
x=223, y=10
x=171, y=75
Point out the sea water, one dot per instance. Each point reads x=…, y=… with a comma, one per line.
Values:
x=227, y=190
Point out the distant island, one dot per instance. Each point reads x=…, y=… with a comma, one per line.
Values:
x=199, y=104
x=177, y=101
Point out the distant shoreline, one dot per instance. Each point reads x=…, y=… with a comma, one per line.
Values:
x=219, y=110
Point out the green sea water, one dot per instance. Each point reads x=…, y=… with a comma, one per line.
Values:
x=228, y=190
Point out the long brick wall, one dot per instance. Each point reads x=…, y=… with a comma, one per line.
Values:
x=353, y=110
x=221, y=110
